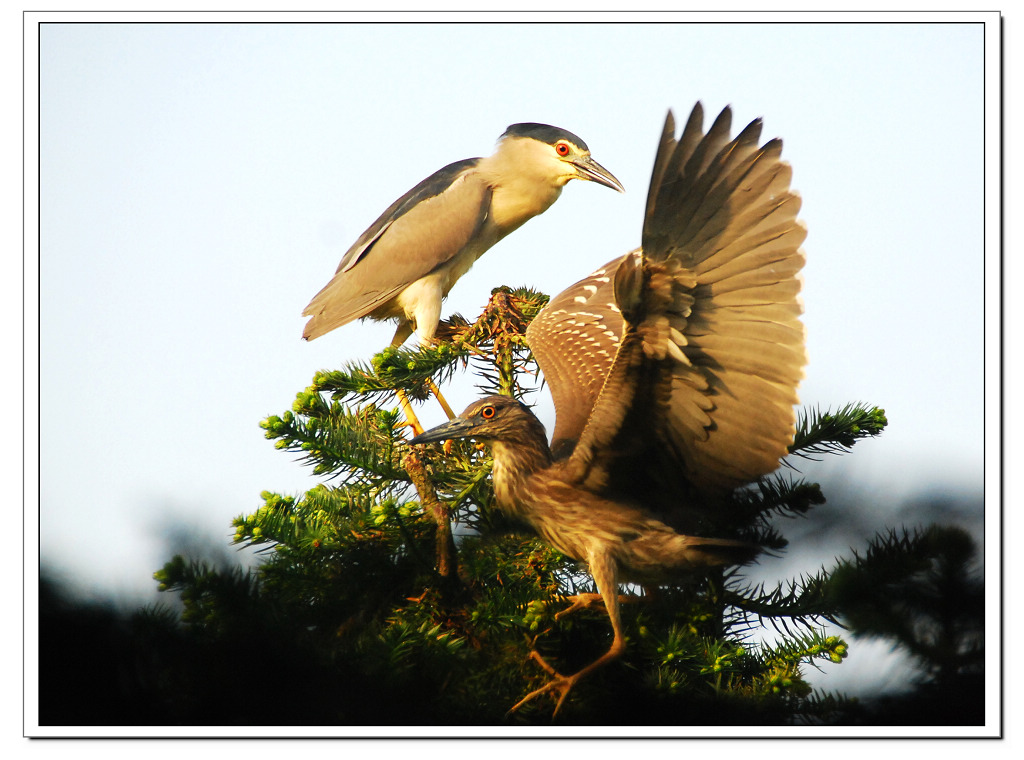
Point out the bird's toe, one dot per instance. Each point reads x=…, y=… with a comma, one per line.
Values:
x=560, y=686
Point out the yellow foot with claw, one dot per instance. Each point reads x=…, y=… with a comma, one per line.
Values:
x=560, y=685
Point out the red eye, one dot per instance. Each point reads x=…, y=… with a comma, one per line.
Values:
x=487, y=412
x=562, y=149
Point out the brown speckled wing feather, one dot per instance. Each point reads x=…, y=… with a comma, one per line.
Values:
x=676, y=370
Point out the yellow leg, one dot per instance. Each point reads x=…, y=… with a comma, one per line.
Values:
x=410, y=416
x=401, y=335
x=586, y=601
x=440, y=399
x=605, y=573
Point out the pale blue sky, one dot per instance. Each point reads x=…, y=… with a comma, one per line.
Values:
x=199, y=183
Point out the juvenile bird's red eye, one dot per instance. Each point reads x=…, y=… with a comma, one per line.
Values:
x=562, y=149
x=487, y=412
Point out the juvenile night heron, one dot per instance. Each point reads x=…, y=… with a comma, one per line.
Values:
x=673, y=370
x=404, y=264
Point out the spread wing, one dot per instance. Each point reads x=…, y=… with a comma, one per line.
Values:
x=701, y=325
x=419, y=232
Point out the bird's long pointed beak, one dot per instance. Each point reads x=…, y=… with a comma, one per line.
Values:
x=459, y=427
x=589, y=169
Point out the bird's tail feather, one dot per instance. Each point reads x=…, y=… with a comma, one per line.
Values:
x=708, y=552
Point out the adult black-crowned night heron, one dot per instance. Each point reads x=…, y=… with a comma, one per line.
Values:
x=404, y=264
x=673, y=370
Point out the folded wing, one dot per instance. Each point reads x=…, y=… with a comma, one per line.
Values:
x=417, y=234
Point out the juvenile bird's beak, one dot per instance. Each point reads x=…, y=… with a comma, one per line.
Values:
x=588, y=169
x=459, y=427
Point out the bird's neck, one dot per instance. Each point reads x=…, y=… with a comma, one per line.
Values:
x=514, y=463
x=515, y=202
x=523, y=185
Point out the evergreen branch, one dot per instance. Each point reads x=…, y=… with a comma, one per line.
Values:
x=508, y=309
x=277, y=521
x=212, y=597
x=805, y=600
x=498, y=339
x=463, y=483
x=323, y=519
x=444, y=543
x=475, y=481
x=835, y=433
x=778, y=668
x=390, y=370
x=918, y=589
x=805, y=646
x=358, y=445
x=455, y=474
x=765, y=535
x=777, y=494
